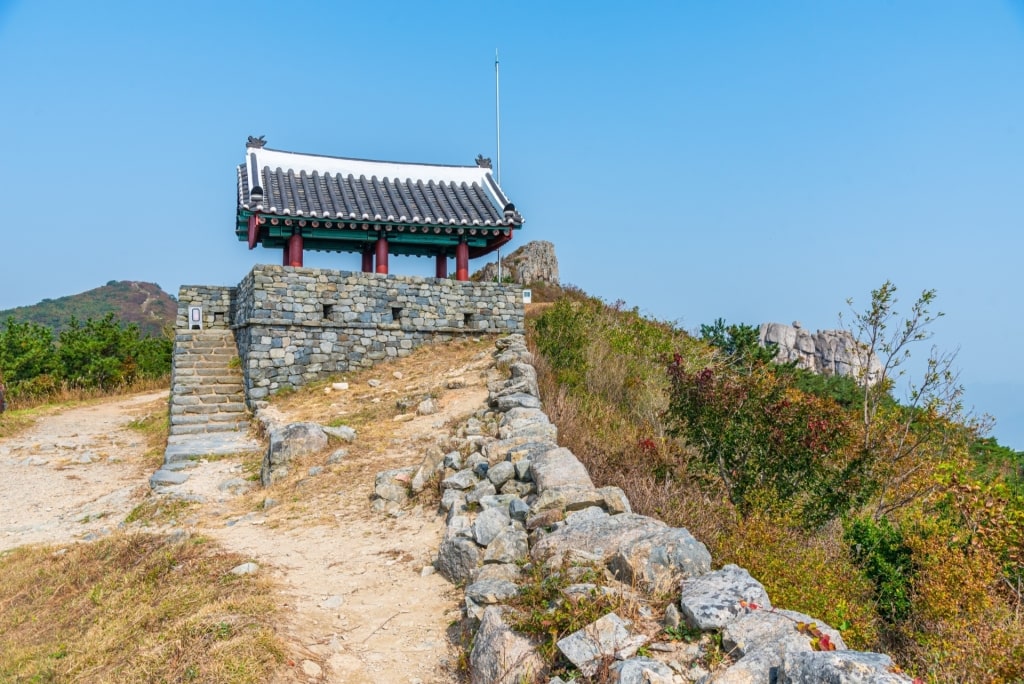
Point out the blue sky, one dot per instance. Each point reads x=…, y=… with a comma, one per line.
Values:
x=750, y=160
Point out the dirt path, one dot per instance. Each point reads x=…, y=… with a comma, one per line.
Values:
x=362, y=602
x=76, y=474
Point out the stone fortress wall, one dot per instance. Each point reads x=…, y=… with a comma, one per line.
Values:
x=296, y=325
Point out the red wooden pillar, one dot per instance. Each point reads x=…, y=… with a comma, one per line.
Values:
x=295, y=250
x=382, y=254
x=442, y=266
x=462, y=261
x=367, y=260
x=285, y=261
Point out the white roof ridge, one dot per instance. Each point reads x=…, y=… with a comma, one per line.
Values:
x=347, y=166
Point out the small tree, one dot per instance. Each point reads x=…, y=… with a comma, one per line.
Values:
x=26, y=351
x=900, y=442
x=739, y=342
x=99, y=353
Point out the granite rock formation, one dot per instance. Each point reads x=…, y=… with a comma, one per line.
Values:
x=828, y=352
x=534, y=262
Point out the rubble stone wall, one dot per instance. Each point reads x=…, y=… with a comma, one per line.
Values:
x=296, y=325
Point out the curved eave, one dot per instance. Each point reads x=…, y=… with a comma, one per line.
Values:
x=350, y=236
x=245, y=211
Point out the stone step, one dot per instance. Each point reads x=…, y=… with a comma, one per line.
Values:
x=238, y=426
x=208, y=373
x=213, y=348
x=206, y=418
x=233, y=407
x=197, y=356
x=198, y=390
x=202, y=379
x=185, y=399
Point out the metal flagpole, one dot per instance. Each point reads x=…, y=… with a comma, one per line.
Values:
x=497, y=132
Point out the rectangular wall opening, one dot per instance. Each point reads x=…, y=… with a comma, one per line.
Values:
x=467, y=319
x=328, y=311
x=396, y=313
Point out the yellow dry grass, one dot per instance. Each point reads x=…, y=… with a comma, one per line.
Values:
x=304, y=500
x=134, y=608
x=22, y=415
x=153, y=422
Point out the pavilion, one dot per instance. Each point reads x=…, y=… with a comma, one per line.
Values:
x=299, y=202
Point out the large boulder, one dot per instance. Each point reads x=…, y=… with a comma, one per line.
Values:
x=657, y=561
x=559, y=468
x=529, y=423
x=602, y=641
x=597, y=538
x=501, y=655
x=839, y=667
x=287, y=443
x=509, y=546
x=568, y=498
x=489, y=524
x=761, y=640
x=711, y=601
x=457, y=558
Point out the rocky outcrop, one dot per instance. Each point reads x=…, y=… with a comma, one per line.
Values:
x=534, y=262
x=828, y=352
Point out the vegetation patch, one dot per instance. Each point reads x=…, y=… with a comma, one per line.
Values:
x=892, y=518
x=554, y=603
x=134, y=607
x=155, y=427
x=90, y=358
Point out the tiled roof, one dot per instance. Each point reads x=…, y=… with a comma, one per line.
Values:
x=316, y=186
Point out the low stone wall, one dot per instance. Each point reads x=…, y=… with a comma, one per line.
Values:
x=217, y=302
x=520, y=498
x=296, y=325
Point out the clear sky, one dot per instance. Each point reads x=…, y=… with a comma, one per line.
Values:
x=750, y=160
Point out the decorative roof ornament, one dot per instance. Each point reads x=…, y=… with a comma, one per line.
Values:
x=258, y=143
x=483, y=162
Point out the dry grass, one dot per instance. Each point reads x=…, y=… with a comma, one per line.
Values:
x=303, y=499
x=22, y=414
x=67, y=395
x=656, y=480
x=154, y=423
x=362, y=405
x=134, y=608
x=14, y=422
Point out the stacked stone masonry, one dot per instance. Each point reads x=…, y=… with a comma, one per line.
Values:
x=513, y=498
x=293, y=325
x=207, y=390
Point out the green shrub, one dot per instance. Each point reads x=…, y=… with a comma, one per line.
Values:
x=756, y=433
x=879, y=549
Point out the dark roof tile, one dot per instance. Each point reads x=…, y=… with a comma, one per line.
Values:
x=355, y=189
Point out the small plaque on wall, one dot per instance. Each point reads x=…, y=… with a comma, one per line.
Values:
x=527, y=296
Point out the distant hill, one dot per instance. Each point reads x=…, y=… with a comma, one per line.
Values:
x=144, y=304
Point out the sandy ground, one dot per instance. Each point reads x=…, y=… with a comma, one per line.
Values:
x=362, y=603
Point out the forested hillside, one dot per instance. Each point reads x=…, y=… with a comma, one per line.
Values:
x=143, y=304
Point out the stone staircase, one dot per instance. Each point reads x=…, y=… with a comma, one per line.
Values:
x=208, y=412
x=208, y=395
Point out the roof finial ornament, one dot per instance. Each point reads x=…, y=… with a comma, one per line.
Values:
x=483, y=162
x=258, y=143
